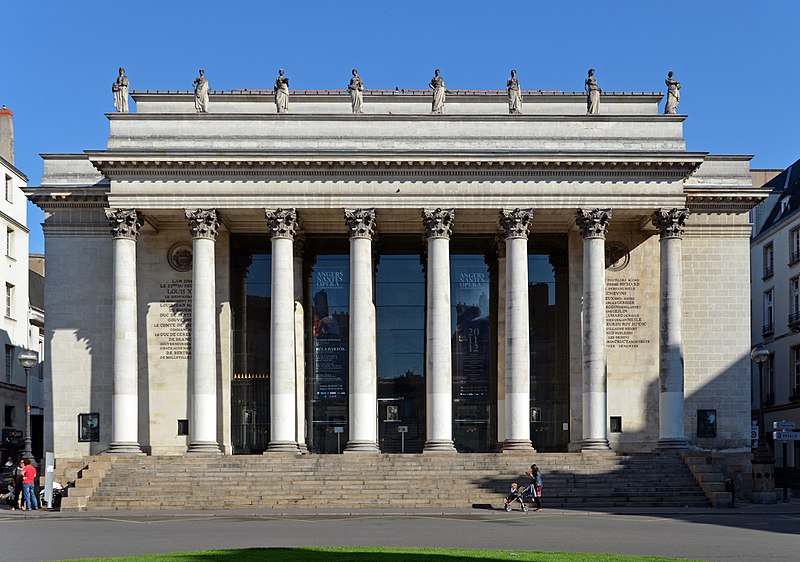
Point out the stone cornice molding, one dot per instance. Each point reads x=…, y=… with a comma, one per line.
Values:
x=438, y=222
x=282, y=223
x=514, y=222
x=670, y=223
x=203, y=223
x=724, y=201
x=124, y=223
x=594, y=223
x=360, y=223
x=70, y=198
x=390, y=164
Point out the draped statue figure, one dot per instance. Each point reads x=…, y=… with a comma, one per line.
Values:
x=281, y=90
x=593, y=92
x=514, y=94
x=201, y=92
x=120, y=89
x=673, y=94
x=356, y=89
x=437, y=83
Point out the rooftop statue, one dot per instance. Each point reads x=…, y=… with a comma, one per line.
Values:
x=673, y=95
x=356, y=89
x=514, y=94
x=437, y=83
x=120, y=89
x=281, y=90
x=201, y=92
x=593, y=92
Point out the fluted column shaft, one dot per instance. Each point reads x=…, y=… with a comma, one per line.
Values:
x=125, y=225
x=593, y=225
x=203, y=224
x=671, y=432
x=363, y=378
x=299, y=346
x=438, y=349
x=283, y=438
x=517, y=339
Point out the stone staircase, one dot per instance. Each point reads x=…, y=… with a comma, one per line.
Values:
x=571, y=480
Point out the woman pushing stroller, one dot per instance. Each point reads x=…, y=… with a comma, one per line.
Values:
x=535, y=486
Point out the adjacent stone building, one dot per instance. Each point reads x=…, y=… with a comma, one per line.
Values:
x=14, y=280
x=775, y=274
x=241, y=281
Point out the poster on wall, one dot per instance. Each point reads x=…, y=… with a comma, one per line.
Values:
x=470, y=292
x=330, y=323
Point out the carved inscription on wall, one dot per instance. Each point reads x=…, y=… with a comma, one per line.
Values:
x=625, y=327
x=174, y=319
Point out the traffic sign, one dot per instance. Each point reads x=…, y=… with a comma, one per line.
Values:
x=784, y=425
x=786, y=435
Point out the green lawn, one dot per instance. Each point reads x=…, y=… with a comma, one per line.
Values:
x=379, y=554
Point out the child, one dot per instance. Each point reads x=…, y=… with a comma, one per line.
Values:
x=513, y=496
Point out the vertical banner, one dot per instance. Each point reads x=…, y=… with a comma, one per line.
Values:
x=330, y=318
x=471, y=342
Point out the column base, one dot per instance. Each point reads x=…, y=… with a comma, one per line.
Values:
x=595, y=445
x=124, y=448
x=518, y=445
x=203, y=448
x=671, y=444
x=439, y=446
x=369, y=447
x=285, y=447
x=303, y=448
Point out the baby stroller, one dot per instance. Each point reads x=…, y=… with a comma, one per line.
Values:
x=516, y=496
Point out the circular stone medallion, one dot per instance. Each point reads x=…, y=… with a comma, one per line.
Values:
x=179, y=256
x=618, y=256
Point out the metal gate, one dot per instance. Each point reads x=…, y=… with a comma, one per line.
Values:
x=250, y=413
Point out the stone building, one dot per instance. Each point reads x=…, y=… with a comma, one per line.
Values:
x=325, y=281
x=775, y=274
x=14, y=279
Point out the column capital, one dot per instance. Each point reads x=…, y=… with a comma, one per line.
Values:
x=360, y=222
x=438, y=222
x=124, y=223
x=282, y=223
x=594, y=223
x=670, y=223
x=203, y=223
x=515, y=222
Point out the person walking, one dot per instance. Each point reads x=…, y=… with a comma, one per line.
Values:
x=28, y=478
x=536, y=485
x=17, y=476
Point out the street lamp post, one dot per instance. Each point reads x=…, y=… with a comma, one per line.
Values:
x=28, y=359
x=763, y=463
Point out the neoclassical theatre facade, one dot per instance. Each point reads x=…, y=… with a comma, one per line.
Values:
x=241, y=281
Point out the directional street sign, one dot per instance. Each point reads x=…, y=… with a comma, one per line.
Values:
x=786, y=435
x=781, y=425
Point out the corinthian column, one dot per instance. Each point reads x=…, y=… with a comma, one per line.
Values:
x=671, y=433
x=517, y=340
x=283, y=439
x=125, y=225
x=363, y=371
x=438, y=349
x=593, y=225
x=203, y=224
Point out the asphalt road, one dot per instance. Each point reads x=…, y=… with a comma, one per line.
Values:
x=725, y=535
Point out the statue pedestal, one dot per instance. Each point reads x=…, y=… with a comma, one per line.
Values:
x=763, y=483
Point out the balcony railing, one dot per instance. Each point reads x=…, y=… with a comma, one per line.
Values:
x=768, y=329
x=769, y=271
x=795, y=257
x=794, y=321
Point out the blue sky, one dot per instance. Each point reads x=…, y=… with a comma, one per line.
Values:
x=737, y=60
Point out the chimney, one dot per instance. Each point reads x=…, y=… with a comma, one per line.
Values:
x=7, y=134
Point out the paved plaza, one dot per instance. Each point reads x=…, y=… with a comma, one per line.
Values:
x=746, y=533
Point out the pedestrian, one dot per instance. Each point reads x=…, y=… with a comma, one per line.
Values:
x=536, y=485
x=17, y=477
x=28, y=478
x=9, y=463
